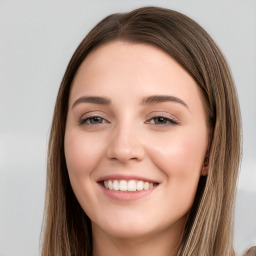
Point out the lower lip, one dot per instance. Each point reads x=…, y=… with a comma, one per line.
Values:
x=125, y=195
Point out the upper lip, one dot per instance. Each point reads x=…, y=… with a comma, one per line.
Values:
x=126, y=177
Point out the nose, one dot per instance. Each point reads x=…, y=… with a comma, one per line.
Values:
x=125, y=145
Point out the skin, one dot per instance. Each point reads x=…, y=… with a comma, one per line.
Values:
x=128, y=139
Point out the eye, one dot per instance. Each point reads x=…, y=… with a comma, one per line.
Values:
x=162, y=121
x=93, y=120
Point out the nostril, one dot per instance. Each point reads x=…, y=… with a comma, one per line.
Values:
x=125, y=153
x=124, y=146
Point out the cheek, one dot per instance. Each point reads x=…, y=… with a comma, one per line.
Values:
x=82, y=153
x=181, y=161
x=181, y=158
x=178, y=160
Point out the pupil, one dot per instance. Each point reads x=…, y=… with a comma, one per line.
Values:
x=160, y=120
x=96, y=119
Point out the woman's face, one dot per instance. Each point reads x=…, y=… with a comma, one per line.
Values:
x=135, y=142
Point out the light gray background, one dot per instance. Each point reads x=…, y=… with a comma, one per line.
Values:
x=37, y=39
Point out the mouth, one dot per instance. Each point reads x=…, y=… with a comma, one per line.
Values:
x=128, y=185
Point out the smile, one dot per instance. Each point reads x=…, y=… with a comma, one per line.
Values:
x=128, y=185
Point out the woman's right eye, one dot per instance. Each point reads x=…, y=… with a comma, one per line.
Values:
x=92, y=120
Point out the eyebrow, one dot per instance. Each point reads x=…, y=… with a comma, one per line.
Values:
x=148, y=100
x=92, y=99
x=163, y=98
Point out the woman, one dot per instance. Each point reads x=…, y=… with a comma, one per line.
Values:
x=145, y=142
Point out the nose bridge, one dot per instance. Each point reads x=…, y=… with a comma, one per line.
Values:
x=125, y=143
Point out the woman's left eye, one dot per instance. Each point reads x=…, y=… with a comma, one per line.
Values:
x=94, y=120
x=162, y=121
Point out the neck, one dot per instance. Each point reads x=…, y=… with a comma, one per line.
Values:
x=162, y=244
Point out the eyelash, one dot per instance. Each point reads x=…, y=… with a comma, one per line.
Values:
x=164, y=121
x=88, y=120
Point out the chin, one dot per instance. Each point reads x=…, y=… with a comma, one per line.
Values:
x=127, y=225
x=124, y=231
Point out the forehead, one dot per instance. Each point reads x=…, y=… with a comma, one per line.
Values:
x=117, y=58
x=133, y=69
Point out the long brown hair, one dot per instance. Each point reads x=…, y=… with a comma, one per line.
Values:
x=208, y=232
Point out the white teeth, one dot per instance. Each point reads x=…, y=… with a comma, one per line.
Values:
x=115, y=185
x=105, y=183
x=130, y=185
x=123, y=185
x=146, y=186
x=140, y=185
x=110, y=185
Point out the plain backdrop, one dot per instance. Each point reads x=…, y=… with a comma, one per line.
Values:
x=37, y=39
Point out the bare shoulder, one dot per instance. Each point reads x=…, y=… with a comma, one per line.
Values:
x=251, y=251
